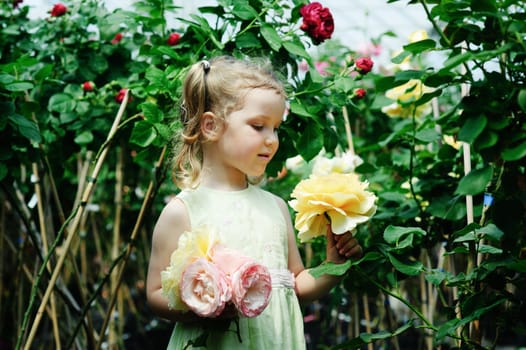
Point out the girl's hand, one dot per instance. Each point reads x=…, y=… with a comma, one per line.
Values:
x=342, y=247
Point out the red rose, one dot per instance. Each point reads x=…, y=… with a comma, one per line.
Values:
x=16, y=3
x=360, y=93
x=88, y=86
x=117, y=38
x=173, y=39
x=317, y=22
x=58, y=10
x=364, y=65
x=120, y=96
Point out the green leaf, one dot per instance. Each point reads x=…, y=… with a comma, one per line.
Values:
x=271, y=36
x=3, y=171
x=151, y=112
x=310, y=141
x=393, y=234
x=61, y=103
x=244, y=11
x=247, y=40
x=299, y=109
x=168, y=51
x=295, y=49
x=44, y=72
x=472, y=128
x=488, y=249
x=475, y=182
x=521, y=99
x=25, y=127
x=19, y=86
x=329, y=268
x=84, y=138
x=420, y=46
x=412, y=268
x=143, y=133
x=436, y=277
x=400, y=57
x=427, y=135
x=516, y=153
x=491, y=231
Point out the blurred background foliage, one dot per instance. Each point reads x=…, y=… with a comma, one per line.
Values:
x=443, y=146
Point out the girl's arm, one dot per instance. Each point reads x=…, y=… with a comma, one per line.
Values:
x=339, y=249
x=172, y=222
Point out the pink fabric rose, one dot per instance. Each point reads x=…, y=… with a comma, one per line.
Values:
x=364, y=65
x=250, y=281
x=204, y=288
x=58, y=10
x=317, y=22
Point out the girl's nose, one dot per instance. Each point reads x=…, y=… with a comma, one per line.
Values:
x=271, y=139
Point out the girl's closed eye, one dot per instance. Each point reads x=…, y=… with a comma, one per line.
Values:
x=257, y=127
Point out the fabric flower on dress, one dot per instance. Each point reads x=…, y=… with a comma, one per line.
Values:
x=205, y=289
x=204, y=276
x=251, y=282
x=317, y=22
x=191, y=246
x=340, y=200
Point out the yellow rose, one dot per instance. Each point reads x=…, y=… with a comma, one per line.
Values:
x=405, y=95
x=340, y=197
x=190, y=247
x=418, y=35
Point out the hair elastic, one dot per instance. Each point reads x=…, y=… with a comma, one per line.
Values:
x=206, y=66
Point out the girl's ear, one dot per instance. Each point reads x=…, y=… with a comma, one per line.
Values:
x=211, y=126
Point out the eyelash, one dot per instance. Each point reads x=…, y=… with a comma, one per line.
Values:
x=260, y=127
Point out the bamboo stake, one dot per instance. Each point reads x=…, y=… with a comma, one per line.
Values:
x=367, y=315
x=74, y=226
x=113, y=336
x=145, y=204
x=43, y=233
x=4, y=256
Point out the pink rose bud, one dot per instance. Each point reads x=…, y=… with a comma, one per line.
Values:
x=173, y=39
x=120, y=96
x=117, y=38
x=364, y=65
x=58, y=10
x=317, y=22
x=360, y=93
x=88, y=86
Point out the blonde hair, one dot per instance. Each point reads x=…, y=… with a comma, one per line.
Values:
x=218, y=86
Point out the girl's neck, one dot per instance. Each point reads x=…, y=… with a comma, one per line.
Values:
x=221, y=181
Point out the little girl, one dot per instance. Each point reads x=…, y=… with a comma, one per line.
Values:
x=231, y=112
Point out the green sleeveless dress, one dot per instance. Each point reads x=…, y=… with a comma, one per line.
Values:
x=250, y=221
